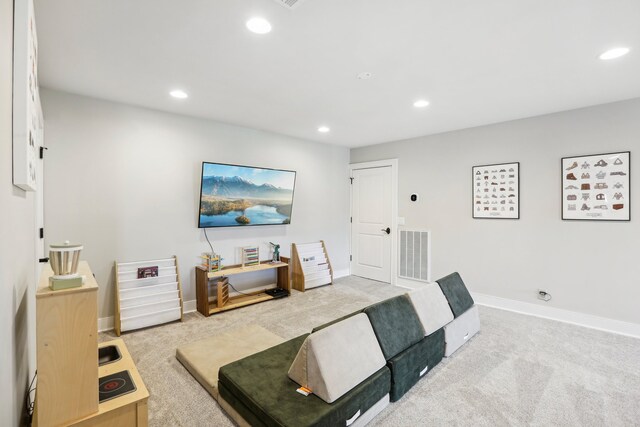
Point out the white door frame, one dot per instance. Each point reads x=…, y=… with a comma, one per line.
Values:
x=393, y=163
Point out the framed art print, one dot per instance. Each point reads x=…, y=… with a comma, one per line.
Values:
x=597, y=187
x=496, y=191
x=28, y=123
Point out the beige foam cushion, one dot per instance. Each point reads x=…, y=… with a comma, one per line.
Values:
x=337, y=358
x=432, y=307
x=204, y=358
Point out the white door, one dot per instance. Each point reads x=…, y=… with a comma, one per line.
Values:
x=39, y=253
x=371, y=209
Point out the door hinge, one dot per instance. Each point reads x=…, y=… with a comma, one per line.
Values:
x=42, y=151
x=351, y=179
x=42, y=233
x=351, y=219
x=350, y=257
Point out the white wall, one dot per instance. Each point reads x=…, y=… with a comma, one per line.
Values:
x=17, y=249
x=588, y=267
x=125, y=182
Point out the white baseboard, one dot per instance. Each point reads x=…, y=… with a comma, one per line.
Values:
x=561, y=315
x=105, y=324
x=537, y=310
x=189, y=306
x=409, y=284
x=341, y=273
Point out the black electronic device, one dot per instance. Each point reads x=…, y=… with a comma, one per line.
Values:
x=277, y=292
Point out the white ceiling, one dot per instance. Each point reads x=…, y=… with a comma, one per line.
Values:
x=477, y=62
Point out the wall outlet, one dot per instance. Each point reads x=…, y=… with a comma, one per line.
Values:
x=544, y=295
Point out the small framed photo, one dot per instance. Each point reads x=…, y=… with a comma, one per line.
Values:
x=597, y=187
x=144, y=272
x=496, y=191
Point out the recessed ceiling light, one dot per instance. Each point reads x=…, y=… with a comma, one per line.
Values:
x=614, y=53
x=180, y=94
x=323, y=129
x=259, y=25
x=421, y=103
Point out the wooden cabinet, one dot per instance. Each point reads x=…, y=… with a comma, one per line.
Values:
x=127, y=410
x=67, y=350
x=67, y=358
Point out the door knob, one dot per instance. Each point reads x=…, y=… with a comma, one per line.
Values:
x=387, y=230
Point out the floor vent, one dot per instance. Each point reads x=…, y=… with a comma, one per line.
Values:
x=415, y=255
x=289, y=4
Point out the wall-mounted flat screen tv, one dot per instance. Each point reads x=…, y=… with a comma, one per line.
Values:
x=233, y=195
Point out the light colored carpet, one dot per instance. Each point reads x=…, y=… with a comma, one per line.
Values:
x=518, y=371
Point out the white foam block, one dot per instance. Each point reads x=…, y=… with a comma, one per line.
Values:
x=458, y=332
x=432, y=307
x=334, y=360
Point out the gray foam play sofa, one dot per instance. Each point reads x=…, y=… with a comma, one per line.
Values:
x=354, y=365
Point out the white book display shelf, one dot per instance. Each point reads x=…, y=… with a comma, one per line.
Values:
x=311, y=266
x=147, y=301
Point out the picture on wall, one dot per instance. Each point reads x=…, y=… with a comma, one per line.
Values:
x=596, y=187
x=496, y=191
x=233, y=195
x=27, y=112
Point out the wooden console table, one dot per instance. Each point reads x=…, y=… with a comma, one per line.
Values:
x=202, y=285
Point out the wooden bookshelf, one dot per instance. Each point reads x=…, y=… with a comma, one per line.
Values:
x=311, y=266
x=149, y=301
x=203, y=276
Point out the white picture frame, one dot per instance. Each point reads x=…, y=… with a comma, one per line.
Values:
x=28, y=123
x=496, y=191
x=597, y=187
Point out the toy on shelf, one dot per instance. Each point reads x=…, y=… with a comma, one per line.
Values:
x=211, y=261
x=276, y=252
x=250, y=256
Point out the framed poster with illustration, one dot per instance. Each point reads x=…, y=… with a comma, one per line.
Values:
x=496, y=191
x=28, y=123
x=597, y=187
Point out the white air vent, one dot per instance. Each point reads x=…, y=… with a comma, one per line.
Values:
x=415, y=255
x=289, y=4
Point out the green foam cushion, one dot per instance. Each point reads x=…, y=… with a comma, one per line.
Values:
x=258, y=388
x=456, y=292
x=407, y=366
x=396, y=324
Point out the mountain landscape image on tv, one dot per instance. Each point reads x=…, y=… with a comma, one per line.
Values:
x=234, y=195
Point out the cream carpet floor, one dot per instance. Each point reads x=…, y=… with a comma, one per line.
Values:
x=519, y=371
